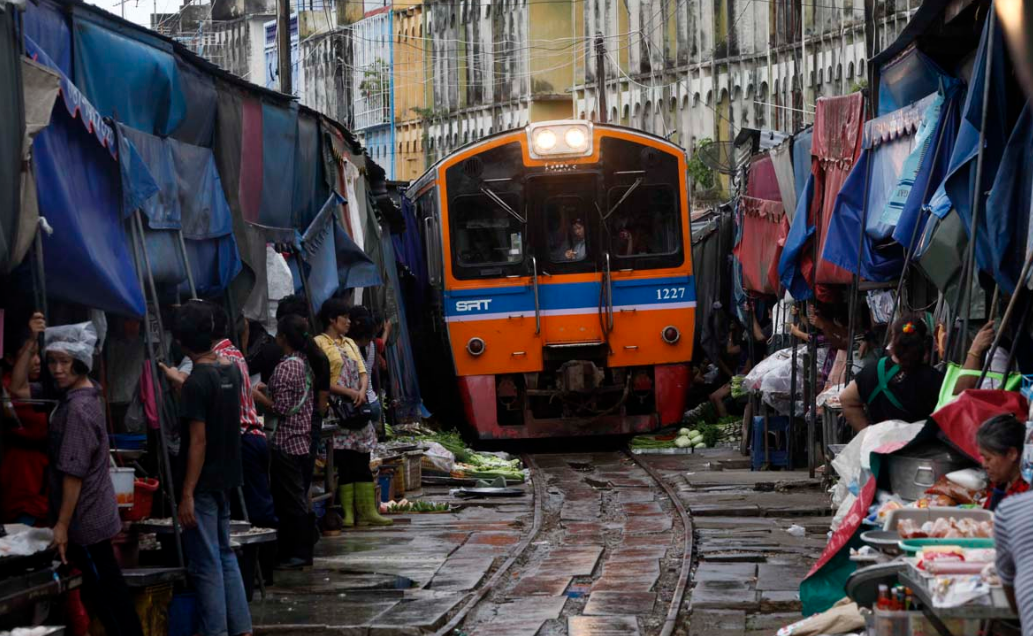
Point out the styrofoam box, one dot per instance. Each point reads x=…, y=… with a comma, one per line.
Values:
x=921, y=515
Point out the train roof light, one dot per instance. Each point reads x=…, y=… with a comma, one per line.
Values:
x=553, y=139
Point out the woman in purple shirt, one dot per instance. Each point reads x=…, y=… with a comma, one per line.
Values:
x=82, y=498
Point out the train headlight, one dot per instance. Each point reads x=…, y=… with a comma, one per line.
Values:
x=545, y=141
x=670, y=334
x=475, y=346
x=555, y=139
x=575, y=138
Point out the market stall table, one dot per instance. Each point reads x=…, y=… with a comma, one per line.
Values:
x=249, y=542
x=18, y=591
x=985, y=613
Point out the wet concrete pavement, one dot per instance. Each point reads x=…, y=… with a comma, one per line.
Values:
x=404, y=579
x=747, y=567
x=605, y=560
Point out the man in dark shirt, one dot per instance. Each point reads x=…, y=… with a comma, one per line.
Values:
x=210, y=409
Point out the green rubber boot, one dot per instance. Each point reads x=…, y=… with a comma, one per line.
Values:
x=366, y=506
x=347, y=492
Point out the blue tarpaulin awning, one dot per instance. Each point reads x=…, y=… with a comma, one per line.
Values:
x=149, y=96
x=960, y=182
x=87, y=258
x=190, y=199
x=1008, y=207
x=893, y=150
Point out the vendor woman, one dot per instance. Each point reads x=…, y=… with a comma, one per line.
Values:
x=900, y=386
x=1000, y=440
x=82, y=497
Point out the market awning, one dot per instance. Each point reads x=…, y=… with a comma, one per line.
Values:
x=960, y=182
x=149, y=95
x=87, y=259
x=334, y=260
x=894, y=146
x=1008, y=206
x=190, y=199
x=762, y=216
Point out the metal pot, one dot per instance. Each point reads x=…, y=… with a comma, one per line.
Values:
x=912, y=473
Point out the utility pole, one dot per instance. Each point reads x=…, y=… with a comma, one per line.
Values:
x=283, y=44
x=600, y=75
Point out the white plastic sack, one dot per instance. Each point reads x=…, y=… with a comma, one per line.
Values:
x=970, y=479
x=25, y=541
x=853, y=463
x=437, y=457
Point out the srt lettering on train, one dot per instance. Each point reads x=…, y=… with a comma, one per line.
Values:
x=473, y=305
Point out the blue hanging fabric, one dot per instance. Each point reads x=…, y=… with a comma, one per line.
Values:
x=45, y=25
x=800, y=232
x=1007, y=208
x=960, y=182
x=802, y=160
x=148, y=96
x=933, y=168
x=333, y=260
x=191, y=200
x=405, y=386
x=888, y=145
x=87, y=260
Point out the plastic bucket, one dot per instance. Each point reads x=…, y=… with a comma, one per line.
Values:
x=125, y=489
x=143, y=499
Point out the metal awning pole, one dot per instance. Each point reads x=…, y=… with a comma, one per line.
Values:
x=140, y=256
x=855, y=280
x=977, y=194
x=1007, y=317
x=812, y=348
x=186, y=264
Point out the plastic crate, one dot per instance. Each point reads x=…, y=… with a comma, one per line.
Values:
x=779, y=435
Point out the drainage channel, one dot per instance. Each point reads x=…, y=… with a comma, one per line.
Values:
x=609, y=552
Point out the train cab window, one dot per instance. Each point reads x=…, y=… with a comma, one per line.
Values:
x=565, y=218
x=485, y=234
x=644, y=224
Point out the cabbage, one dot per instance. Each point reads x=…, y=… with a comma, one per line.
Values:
x=685, y=433
x=700, y=445
x=682, y=442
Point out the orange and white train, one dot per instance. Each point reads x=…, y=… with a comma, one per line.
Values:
x=559, y=255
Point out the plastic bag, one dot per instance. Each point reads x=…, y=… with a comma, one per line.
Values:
x=971, y=479
x=437, y=457
x=78, y=340
x=947, y=488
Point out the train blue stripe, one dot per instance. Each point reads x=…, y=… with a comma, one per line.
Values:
x=560, y=297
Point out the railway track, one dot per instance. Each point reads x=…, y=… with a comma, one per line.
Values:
x=609, y=551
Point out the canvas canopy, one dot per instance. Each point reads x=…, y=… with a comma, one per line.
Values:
x=87, y=258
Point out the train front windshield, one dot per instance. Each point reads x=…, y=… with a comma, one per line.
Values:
x=502, y=213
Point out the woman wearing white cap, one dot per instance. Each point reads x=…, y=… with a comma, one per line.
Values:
x=82, y=498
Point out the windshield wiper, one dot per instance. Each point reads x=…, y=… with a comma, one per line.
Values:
x=627, y=194
x=488, y=192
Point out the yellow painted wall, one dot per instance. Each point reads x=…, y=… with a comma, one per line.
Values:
x=548, y=110
x=410, y=91
x=552, y=69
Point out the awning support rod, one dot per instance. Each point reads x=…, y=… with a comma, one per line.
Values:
x=160, y=390
x=977, y=193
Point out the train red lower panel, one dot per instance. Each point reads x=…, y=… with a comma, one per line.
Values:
x=481, y=404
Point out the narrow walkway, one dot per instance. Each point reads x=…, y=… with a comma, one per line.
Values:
x=748, y=568
x=605, y=562
x=404, y=579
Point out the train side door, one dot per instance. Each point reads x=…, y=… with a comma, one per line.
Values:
x=564, y=218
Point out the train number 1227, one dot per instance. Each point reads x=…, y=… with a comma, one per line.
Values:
x=670, y=293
